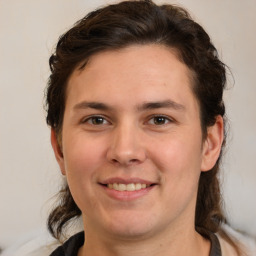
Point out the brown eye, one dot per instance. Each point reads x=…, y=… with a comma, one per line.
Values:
x=159, y=120
x=96, y=120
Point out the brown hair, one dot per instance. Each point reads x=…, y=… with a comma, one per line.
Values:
x=142, y=22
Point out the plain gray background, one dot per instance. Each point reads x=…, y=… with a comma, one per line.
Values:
x=29, y=176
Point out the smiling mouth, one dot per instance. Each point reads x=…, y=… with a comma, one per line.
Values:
x=128, y=187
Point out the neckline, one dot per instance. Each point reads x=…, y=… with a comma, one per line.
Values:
x=74, y=243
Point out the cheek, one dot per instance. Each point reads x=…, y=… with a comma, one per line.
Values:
x=81, y=156
x=179, y=161
x=177, y=152
x=82, y=159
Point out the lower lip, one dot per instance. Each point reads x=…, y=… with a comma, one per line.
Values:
x=127, y=195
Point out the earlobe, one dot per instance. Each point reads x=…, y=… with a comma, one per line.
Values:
x=212, y=144
x=57, y=151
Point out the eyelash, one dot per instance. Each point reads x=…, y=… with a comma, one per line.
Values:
x=90, y=120
x=165, y=118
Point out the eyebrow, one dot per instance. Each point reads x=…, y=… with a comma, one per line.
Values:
x=93, y=105
x=161, y=104
x=144, y=106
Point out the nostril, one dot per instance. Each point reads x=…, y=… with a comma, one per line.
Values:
x=125, y=162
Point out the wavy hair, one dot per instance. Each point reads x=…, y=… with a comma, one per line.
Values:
x=138, y=23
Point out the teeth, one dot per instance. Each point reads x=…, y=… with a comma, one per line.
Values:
x=131, y=187
x=122, y=187
x=127, y=187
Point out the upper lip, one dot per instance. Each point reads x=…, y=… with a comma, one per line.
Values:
x=120, y=180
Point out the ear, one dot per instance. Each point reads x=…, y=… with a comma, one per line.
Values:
x=57, y=151
x=212, y=144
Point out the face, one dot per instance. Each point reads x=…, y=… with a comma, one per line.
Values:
x=132, y=148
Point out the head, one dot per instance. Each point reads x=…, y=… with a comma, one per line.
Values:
x=141, y=23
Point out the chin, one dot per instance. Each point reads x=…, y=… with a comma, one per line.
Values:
x=130, y=227
x=130, y=232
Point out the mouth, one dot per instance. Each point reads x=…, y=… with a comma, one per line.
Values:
x=127, y=187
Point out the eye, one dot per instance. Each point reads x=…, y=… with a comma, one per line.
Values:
x=96, y=120
x=159, y=120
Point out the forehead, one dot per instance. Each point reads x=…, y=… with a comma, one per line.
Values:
x=147, y=71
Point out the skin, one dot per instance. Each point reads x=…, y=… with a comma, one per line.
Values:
x=113, y=130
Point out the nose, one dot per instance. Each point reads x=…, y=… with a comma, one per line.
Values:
x=126, y=146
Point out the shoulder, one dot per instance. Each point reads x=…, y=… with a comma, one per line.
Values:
x=226, y=248
x=247, y=243
x=40, y=245
x=45, y=245
x=71, y=246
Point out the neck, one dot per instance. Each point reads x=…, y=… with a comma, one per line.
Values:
x=178, y=242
